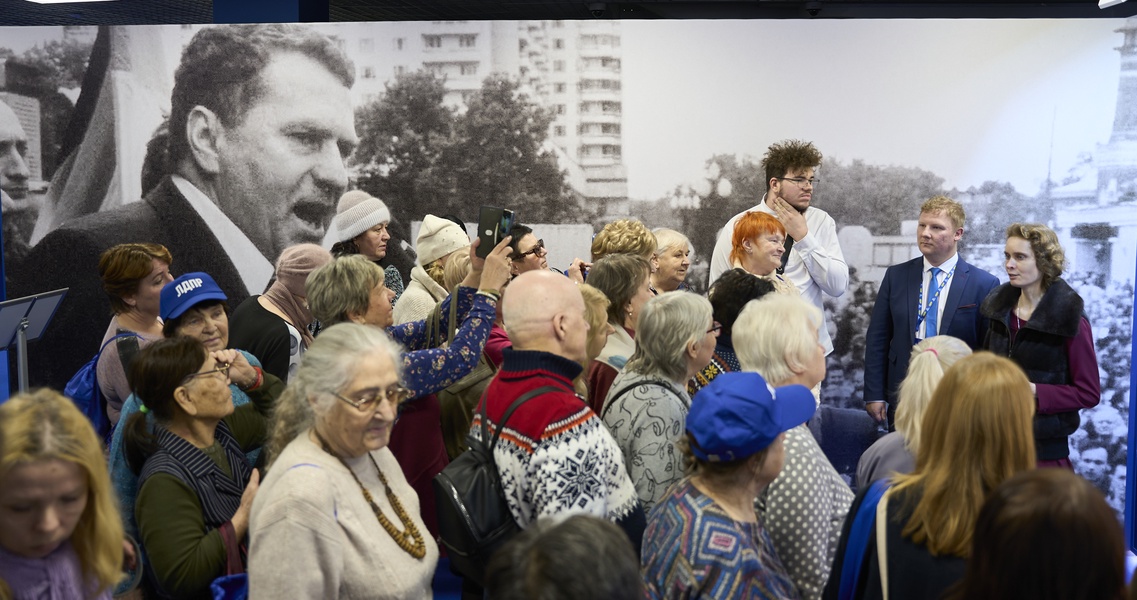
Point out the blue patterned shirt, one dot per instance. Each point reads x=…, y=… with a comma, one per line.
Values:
x=693, y=549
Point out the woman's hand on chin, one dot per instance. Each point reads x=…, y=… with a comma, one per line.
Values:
x=240, y=371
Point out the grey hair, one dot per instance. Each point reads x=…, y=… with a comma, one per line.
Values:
x=775, y=334
x=341, y=287
x=668, y=323
x=669, y=238
x=328, y=365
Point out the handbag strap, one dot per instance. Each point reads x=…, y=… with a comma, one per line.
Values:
x=233, y=563
x=881, y=541
x=116, y=337
x=433, y=327
x=453, y=314
x=113, y=340
x=527, y=396
x=127, y=346
x=857, y=545
x=656, y=382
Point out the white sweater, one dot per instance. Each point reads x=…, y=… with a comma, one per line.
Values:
x=419, y=298
x=313, y=535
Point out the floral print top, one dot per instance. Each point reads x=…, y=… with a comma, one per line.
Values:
x=428, y=370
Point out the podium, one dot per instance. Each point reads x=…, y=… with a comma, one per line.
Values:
x=25, y=319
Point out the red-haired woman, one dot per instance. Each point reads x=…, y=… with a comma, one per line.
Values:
x=757, y=247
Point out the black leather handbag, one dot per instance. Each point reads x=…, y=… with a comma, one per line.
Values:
x=474, y=519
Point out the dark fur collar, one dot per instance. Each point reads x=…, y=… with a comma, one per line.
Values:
x=1059, y=312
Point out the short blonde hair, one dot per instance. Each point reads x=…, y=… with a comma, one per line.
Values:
x=665, y=239
x=929, y=359
x=667, y=324
x=595, y=311
x=775, y=335
x=624, y=236
x=456, y=269
x=1048, y=253
x=45, y=425
x=342, y=287
x=946, y=206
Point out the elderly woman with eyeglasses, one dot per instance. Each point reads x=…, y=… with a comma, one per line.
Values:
x=194, y=306
x=647, y=404
x=335, y=518
x=195, y=485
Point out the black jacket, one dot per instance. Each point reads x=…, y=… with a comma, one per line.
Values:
x=1040, y=349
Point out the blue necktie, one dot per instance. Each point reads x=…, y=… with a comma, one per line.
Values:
x=933, y=303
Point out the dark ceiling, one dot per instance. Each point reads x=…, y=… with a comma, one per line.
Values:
x=24, y=12
x=119, y=12
x=429, y=10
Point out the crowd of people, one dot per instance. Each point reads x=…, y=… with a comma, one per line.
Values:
x=647, y=441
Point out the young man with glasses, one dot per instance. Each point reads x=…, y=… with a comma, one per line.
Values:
x=813, y=260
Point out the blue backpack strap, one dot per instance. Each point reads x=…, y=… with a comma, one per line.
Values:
x=860, y=533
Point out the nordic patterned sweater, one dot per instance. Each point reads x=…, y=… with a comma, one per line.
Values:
x=555, y=456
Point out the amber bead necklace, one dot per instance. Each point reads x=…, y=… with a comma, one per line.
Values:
x=410, y=540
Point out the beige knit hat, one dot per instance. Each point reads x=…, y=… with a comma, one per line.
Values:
x=438, y=237
x=358, y=211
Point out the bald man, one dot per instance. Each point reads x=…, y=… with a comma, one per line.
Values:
x=13, y=156
x=558, y=457
x=19, y=212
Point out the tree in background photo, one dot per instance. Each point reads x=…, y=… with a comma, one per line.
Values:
x=421, y=156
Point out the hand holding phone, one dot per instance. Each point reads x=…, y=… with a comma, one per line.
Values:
x=493, y=225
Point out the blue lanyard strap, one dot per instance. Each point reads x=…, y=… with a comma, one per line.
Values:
x=923, y=310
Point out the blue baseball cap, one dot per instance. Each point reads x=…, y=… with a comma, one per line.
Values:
x=739, y=414
x=182, y=293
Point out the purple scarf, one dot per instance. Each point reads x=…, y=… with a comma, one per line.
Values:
x=57, y=576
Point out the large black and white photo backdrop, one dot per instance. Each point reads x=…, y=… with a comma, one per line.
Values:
x=575, y=123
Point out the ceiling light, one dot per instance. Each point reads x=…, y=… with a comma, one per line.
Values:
x=1109, y=3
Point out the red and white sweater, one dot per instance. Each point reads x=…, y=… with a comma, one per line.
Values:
x=555, y=456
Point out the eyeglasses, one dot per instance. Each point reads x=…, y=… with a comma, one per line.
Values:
x=537, y=248
x=395, y=394
x=801, y=181
x=716, y=328
x=222, y=368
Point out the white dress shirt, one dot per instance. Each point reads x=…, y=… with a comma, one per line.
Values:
x=255, y=270
x=948, y=266
x=816, y=265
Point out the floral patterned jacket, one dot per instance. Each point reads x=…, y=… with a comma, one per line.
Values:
x=428, y=370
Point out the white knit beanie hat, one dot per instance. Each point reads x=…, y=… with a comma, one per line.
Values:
x=358, y=211
x=438, y=237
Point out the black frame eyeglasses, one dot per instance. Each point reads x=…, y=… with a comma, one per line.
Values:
x=222, y=368
x=716, y=328
x=801, y=181
x=395, y=394
x=536, y=249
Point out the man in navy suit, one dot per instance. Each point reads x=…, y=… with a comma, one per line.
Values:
x=935, y=294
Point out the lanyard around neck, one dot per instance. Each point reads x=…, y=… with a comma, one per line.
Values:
x=923, y=310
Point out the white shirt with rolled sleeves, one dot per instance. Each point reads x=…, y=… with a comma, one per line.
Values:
x=816, y=264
